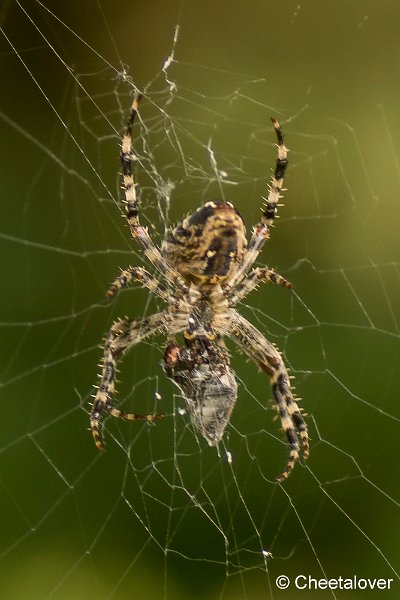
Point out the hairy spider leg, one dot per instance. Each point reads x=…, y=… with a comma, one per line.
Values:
x=131, y=206
x=254, y=344
x=241, y=290
x=269, y=212
x=146, y=280
x=122, y=336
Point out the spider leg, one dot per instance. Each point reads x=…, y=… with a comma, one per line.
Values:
x=270, y=209
x=146, y=279
x=241, y=290
x=268, y=358
x=122, y=336
x=131, y=206
x=262, y=230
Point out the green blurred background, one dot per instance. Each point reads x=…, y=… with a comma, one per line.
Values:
x=161, y=515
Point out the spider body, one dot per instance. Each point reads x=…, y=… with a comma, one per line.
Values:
x=206, y=264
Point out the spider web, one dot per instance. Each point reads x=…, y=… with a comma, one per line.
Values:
x=160, y=514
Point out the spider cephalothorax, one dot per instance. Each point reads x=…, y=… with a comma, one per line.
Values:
x=206, y=263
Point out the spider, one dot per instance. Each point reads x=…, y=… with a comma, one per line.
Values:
x=206, y=264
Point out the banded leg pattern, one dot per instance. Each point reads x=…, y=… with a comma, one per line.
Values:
x=145, y=278
x=292, y=420
x=122, y=336
x=250, y=283
x=270, y=361
x=131, y=205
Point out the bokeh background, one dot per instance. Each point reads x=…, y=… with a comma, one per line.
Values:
x=161, y=515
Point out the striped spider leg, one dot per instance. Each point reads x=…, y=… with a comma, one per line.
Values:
x=131, y=205
x=261, y=231
x=263, y=353
x=122, y=336
x=117, y=339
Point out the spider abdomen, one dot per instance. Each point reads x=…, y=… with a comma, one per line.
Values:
x=209, y=244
